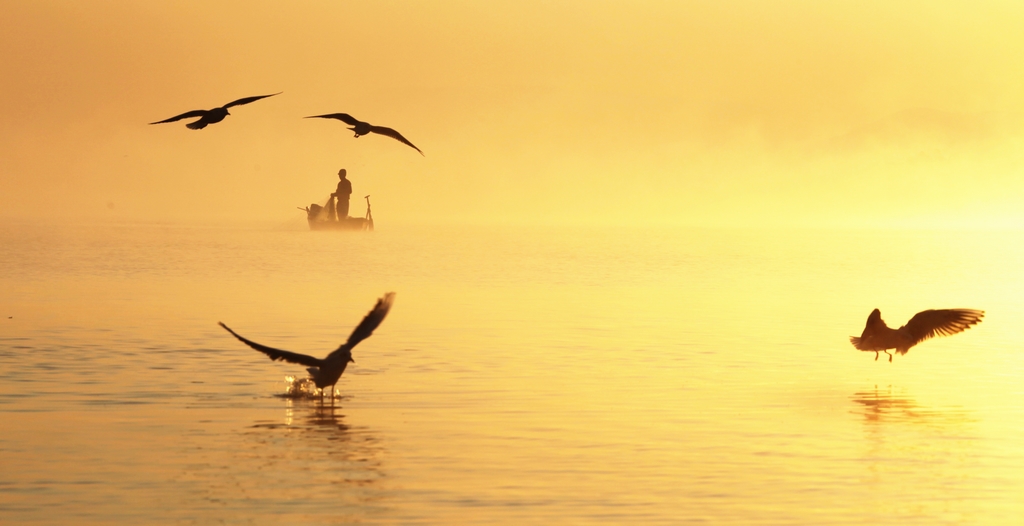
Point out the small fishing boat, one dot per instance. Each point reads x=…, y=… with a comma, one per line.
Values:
x=322, y=217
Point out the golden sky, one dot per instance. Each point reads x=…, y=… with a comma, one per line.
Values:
x=610, y=112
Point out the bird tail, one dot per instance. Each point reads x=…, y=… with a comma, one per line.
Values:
x=855, y=341
x=314, y=372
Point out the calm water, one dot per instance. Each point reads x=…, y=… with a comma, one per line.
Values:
x=542, y=376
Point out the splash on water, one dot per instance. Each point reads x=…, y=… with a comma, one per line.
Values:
x=301, y=389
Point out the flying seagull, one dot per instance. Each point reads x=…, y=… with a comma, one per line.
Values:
x=213, y=116
x=362, y=128
x=326, y=372
x=878, y=337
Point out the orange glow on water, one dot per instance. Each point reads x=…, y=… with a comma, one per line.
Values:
x=629, y=258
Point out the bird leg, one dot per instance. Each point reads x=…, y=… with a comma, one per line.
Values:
x=876, y=356
x=890, y=356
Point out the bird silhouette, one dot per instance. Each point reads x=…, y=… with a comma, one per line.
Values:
x=212, y=116
x=326, y=372
x=878, y=337
x=362, y=128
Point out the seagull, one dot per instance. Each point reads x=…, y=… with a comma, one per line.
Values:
x=326, y=372
x=878, y=337
x=213, y=116
x=362, y=128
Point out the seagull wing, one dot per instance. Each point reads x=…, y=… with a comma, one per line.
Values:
x=944, y=322
x=186, y=115
x=344, y=117
x=247, y=100
x=277, y=354
x=369, y=323
x=871, y=329
x=199, y=124
x=394, y=135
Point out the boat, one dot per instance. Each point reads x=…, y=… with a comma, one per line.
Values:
x=322, y=217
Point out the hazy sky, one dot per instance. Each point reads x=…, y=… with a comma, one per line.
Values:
x=660, y=112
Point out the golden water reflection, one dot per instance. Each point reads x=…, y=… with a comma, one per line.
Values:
x=307, y=464
x=315, y=434
x=544, y=377
x=888, y=405
x=923, y=457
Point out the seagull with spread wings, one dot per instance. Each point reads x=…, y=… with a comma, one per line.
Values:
x=878, y=337
x=362, y=128
x=212, y=116
x=326, y=372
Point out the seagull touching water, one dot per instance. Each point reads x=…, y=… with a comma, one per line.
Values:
x=362, y=128
x=326, y=372
x=214, y=115
x=878, y=337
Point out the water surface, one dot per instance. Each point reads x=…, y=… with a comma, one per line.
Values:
x=544, y=375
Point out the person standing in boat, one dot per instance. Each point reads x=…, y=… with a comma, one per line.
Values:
x=342, y=194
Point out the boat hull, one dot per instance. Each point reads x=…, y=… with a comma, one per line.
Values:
x=350, y=223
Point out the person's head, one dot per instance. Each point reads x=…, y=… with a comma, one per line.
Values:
x=341, y=173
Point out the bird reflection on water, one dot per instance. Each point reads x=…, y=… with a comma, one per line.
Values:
x=881, y=406
x=301, y=462
x=317, y=435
